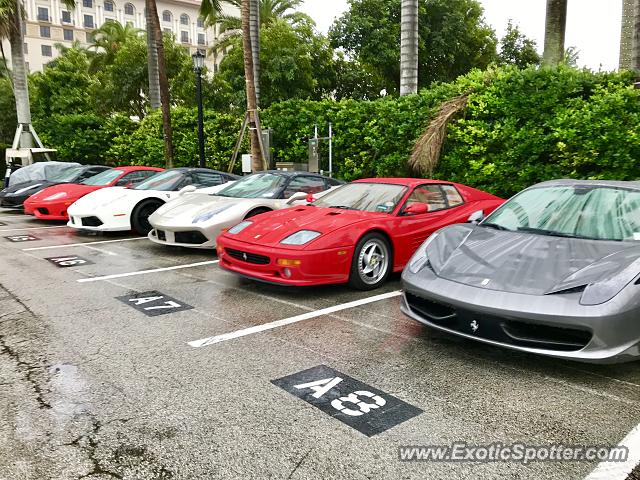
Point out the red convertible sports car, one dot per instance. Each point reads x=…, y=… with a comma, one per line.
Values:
x=52, y=202
x=358, y=233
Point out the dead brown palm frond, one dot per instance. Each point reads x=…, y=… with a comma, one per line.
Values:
x=427, y=150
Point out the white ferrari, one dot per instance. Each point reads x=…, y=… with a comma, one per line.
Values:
x=116, y=209
x=197, y=219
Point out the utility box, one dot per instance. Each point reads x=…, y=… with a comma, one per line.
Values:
x=246, y=163
x=314, y=155
x=291, y=167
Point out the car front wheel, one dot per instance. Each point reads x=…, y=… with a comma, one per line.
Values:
x=371, y=263
x=140, y=216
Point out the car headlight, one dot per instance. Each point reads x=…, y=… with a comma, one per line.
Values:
x=420, y=258
x=207, y=216
x=55, y=196
x=239, y=227
x=300, y=238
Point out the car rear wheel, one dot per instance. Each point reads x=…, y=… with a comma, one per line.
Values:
x=371, y=263
x=140, y=216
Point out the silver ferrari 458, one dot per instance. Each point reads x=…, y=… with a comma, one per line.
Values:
x=553, y=271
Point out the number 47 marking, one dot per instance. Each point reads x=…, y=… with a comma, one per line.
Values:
x=168, y=304
x=320, y=387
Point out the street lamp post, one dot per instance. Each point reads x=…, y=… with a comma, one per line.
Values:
x=198, y=64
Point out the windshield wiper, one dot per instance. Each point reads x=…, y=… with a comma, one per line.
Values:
x=553, y=233
x=342, y=207
x=494, y=226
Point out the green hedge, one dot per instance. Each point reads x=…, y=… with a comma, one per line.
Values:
x=520, y=127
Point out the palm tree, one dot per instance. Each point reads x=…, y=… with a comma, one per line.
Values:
x=11, y=25
x=252, y=103
x=626, y=33
x=556, y=23
x=152, y=10
x=152, y=65
x=409, y=47
x=108, y=40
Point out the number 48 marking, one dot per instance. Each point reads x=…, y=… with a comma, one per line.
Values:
x=320, y=387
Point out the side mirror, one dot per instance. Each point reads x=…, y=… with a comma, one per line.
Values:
x=297, y=197
x=310, y=198
x=416, y=209
x=476, y=217
x=187, y=189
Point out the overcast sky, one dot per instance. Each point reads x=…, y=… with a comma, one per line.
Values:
x=593, y=26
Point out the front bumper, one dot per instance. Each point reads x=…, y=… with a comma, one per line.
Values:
x=183, y=237
x=552, y=325
x=98, y=221
x=47, y=210
x=13, y=201
x=317, y=267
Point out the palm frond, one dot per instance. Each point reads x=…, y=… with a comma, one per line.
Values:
x=209, y=9
x=427, y=150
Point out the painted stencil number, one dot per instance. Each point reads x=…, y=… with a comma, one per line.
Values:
x=154, y=303
x=166, y=305
x=21, y=238
x=68, y=261
x=320, y=387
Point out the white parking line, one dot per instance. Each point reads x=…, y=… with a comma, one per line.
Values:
x=30, y=228
x=620, y=470
x=288, y=321
x=82, y=244
x=143, y=272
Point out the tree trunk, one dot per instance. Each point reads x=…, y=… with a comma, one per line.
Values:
x=19, y=73
x=254, y=19
x=556, y=23
x=152, y=65
x=256, y=155
x=409, y=48
x=163, y=81
x=634, y=63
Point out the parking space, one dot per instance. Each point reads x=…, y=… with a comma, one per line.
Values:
x=120, y=358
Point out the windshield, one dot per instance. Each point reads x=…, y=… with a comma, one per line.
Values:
x=262, y=185
x=580, y=211
x=67, y=175
x=103, y=178
x=165, y=181
x=367, y=197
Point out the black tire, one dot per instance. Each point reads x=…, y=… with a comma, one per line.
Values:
x=371, y=244
x=257, y=211
x=140, y=216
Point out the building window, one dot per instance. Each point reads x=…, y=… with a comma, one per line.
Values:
x=200, y=23
x=108, y=6
x=88, y=21
x=45, y=32
x=46, y=50
x=43, y=14
x=25, y=48
x=201, y=39
x=66, y=16
x=167, y=31
x=128, y=8
x=89, y=37
x=184, y=19
x=166, y=16
x=87, y=3
x=184, y=36
x=68, y=34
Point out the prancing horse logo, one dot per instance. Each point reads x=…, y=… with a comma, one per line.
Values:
x=244, y=255
x=474, y=326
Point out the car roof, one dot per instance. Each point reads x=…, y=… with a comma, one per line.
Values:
x=408, y=182
x=135, y=168
x=198, y=169
x=564, y=182
x=291, y=173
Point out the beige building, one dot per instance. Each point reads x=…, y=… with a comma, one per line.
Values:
x=49, y=22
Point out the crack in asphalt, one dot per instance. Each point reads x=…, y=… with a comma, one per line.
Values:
x=299, y=463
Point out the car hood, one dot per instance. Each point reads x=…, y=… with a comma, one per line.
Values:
x=189, y=206
x=272, y=227
x=521, y=262
x=63, y=191
x=27, y=188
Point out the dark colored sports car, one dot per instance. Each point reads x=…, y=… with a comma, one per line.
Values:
x=554, y=271
x=15, y=195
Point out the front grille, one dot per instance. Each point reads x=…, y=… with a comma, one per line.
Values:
x=192, y=237
x=500, y=329
x=161, y=235
x=91, y=221
x=248, y=257
x=43, y=211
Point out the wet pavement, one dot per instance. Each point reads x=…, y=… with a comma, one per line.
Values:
x=105, y=373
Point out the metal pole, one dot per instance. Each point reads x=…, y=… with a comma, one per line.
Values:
x=330, y=150
x=203, y=162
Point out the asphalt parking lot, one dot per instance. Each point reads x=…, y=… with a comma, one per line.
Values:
x=120, y=358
